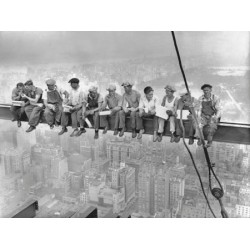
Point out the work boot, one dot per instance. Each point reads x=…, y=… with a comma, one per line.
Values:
x=105, y=130
x=64, y=130
x=159, y=138
x=19, y=124
x=155, y=136
x=122, y=132
x=191, y=141
x=172, y=138
x=74, y=133
x=81, y=131
x=177, y=138
x=209, y=141
x=199, y=142
x=96, y=134
x=209, y=144
x=31, y=128
x=116, y=132
x=51, y=126
x=140, y=134
x=133, y=133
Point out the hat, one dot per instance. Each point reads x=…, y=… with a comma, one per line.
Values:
x=170, y=88
x=28, y=83
x=126, y=84
x=111, y=87
x=74, y=80
x=92, y=89
x=206, y=86
x=50, y=81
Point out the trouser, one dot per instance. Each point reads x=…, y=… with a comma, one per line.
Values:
x=17, y=112
x=179, y=128
x=162, y=121
x=107, y=118
x=122, y=118
x=212, y=123
x=75, y=118
x=140, y=121
x=94, y=119
x=51, y=116
x=33, y=113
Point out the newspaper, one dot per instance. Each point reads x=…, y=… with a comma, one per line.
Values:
x=185, y=114
x=161, y=112
x=106, y=112
x=17, y=103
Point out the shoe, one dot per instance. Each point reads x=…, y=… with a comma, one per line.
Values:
x=96, y=135
x=209, y=144
x=81, y=131
x=105, y=130
x=122, y=132
x=64, y=130
x=19, y=124
x=116, y=132
x=133, y=133
x=51, y=126
x=191, y=141
x=177, y=138
x=74, y=133
x=159, y=138
x=31, y=128
x=56, y=124
x=140, y=134
x=199, y=142
x=172, y=139
x=155, y=137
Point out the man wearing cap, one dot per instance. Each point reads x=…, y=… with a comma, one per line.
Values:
x=34, y=108
x=91, y=107
x=209, y=113
x=75, y=101
x=130, y=105
x=147, y=107
x=53, y=103
x=170, y=102
x=114, y=102
x=185, y=103
x=18, y=111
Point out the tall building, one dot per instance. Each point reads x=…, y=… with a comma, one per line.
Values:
x=59, y=166
x=176, y=190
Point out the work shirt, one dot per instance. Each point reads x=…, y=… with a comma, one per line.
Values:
x=149, y=105
x=131, y=100
x=112, y=101
x=215, y=104
x=93, y=103
x=76, y=97
x=55, y=95
x=172, y=106
x=34, y=92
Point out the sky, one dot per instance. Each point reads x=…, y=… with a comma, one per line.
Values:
x=68, y=46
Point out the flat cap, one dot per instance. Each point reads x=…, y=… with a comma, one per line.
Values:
x=92, y=89
x=50, y=81
x=206, y=86
x=111, y=87
x=29, y=82
x=170, y=88
x=126, y=84
x=74, y=80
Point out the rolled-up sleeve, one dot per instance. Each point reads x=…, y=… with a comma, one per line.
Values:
x=141, y=104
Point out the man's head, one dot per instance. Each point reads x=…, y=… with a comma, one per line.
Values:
x=169, y=90
x=207, y=89
x=93, y=91
x=111, y=89
x=184, y=96
x=74, y=82
x=51, y=83
x=29, y=85
x=20, y=86
x=127, y=87
x=149, y=92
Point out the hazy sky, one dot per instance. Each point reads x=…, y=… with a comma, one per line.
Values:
x=35, y=47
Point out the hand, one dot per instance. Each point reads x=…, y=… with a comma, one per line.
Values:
x=91, y=112
x=140, y=113
x=125, y=110
x=23, y=95
x=65, y=101
x=152, y=112
x=40, y=105
x=133, y=109
x=72, y=109
x=169, y=112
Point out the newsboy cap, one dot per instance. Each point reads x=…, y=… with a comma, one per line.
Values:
x=50, y=81
x=170, y=88
x=111, y=87
x=126, y=84
x=206, y=86
x=92, y=89
x=74, y=80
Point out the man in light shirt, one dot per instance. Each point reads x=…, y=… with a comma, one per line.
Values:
x=114, y=102
x=209, y=113
x=75, y=101
x=53, y=102
x=147, y=107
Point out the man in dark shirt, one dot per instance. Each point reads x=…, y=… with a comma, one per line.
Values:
x=17, y=111
x=114, y=102
x=35, y=107
x=130, y=105
x=91, y=107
